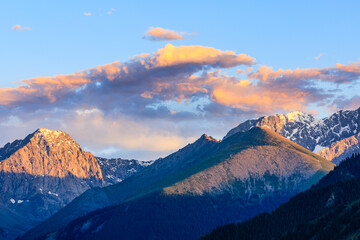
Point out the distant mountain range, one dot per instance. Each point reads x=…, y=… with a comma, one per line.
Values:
x=257, y=166
x=45, y=171
x=188, y=193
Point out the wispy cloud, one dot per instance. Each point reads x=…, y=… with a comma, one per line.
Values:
x=87, y=14
x=319, y=56
x=161, y=34
x=241, y=71
x=111, y=11
x=20, y=28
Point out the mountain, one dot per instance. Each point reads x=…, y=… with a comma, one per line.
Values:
x=341, y=149
x=329, y=210
x=115, y=170
x=203, y=185
x=305, y=130
x=42, y=173
x=97, y=198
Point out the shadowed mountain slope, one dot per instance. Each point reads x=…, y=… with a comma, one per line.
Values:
x=329, y=210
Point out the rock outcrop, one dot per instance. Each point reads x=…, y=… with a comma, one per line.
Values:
x=340, y=150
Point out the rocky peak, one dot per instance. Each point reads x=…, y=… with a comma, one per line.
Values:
x=305, y=130
x=49, y=153
x=42, y=173
x=207, y=138
x=299, y=116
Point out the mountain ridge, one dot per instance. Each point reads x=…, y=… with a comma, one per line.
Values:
x=223, y=155
x=305, y=130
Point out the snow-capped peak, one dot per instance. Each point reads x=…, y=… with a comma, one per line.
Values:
x=297, y=115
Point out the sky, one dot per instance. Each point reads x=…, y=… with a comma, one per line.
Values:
x=141, y=79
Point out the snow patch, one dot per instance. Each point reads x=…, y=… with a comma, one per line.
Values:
x=318, y=148
x=293, y=116
x=55, y=194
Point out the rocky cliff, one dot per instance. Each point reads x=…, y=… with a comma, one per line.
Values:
x=341, y=149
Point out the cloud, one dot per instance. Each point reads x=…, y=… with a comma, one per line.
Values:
x=87, y=13
x=319, y=56
x=168, y=71
x=20, y=28
x=166, y=98
x=161, y=34
x=142, y=85
x=345, y=103
x=241, y=71
x=115, y=133
x=338, y=74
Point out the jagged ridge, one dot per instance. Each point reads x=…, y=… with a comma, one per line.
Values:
x=305, y=130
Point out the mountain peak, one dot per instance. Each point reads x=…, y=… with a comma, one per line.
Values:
x=293, y=116
x=51, y=153
x=208, y=138
x=48, y=131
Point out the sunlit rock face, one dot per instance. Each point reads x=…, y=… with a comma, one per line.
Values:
x=44, y=172
x=41, y=174
x=340, y=150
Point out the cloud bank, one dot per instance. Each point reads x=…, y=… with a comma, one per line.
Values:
x=155, y=103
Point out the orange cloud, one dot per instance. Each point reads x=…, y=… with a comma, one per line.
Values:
x=171, y=55
x=145, y=75
x=161, y=34
x=266, y=73
x=42, y=89
x=247, y=96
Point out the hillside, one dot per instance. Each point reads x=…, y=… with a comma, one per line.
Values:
x=323, y=212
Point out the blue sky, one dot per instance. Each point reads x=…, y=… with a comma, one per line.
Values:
x=283, y=34
x=57, y=37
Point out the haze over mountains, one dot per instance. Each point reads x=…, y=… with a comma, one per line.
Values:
x=209, y=182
